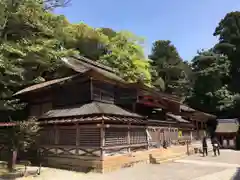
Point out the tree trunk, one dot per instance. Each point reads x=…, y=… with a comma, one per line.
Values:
x=12, y=160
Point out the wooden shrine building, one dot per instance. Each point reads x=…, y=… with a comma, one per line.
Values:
x=200, y=120
x=94, y=114
x=226, y=131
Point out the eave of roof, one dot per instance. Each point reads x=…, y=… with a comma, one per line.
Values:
x=227, y=128
x=43, y=85
x=186, y=108
x=177, y=118
x=105, y=118
x=93, y=108
x=81, y=65
x=84, y=65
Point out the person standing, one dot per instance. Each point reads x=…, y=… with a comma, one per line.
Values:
x=204, y=146
x=216, y=146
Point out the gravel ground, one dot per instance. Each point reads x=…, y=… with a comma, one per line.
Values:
x=168, y=171
x=214, y=168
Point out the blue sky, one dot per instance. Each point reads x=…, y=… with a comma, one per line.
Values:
x=189, y=24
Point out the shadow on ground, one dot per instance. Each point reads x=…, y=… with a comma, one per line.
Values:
x=18, y=173
x=236, y=175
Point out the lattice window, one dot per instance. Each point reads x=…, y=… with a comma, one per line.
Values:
x=67, y=136
x=116, y=136
x=102, y=95
x=89, y=137
x=138, y=136
x=47, y=136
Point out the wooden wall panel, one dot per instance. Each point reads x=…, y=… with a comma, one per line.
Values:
x=71, y=94
x=47, y=136
x=36, y=110
x=125, y=96
x=67, y=136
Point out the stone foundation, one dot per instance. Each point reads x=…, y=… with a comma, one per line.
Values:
x=111, y=163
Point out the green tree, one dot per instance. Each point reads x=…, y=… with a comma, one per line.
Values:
x=169, y=67
x=228, y=32
x=20, y=137
x=33, y=40
x=29, y=48
x=125, y=54
x=210, y=90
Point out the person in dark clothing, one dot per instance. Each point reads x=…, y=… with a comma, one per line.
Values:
x=204, y=146
x=216, y=147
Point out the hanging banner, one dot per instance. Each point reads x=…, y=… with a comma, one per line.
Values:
x=179, y=134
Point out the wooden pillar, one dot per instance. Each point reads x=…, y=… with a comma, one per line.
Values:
x=148, y=143
x=129, y=138
x=56, y=139
x=197, y=129
x=191, y=136
x=134, y=107
x=102, y=134
x=77, y=136
x=91, y=88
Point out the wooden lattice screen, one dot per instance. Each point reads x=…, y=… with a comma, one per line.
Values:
x=138, y=136
x=89, y=137
x=116, y=136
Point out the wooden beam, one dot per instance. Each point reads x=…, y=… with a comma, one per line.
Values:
x=102, y=134
x=124, y=146
x=66, y=127
x=122, y=126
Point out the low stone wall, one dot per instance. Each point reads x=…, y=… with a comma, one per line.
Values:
x=154, y=156
x=74, y=163
x=111, y=163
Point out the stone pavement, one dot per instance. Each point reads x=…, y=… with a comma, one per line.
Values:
x=224, y=167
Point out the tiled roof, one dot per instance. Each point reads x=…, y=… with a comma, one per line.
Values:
x=43, y=84
x=177, y=118
x=186, y=108
x=96, y=119
x=81, y=65
x=89, y=109
x=227, y=126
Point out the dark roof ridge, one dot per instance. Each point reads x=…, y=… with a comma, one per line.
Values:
x=94, y=63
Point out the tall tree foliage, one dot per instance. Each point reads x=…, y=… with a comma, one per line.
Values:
x=126, y=55
x=29, y=47
x=217, y=86
x=33, y=40
x=211, y=73
x=170, y=67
